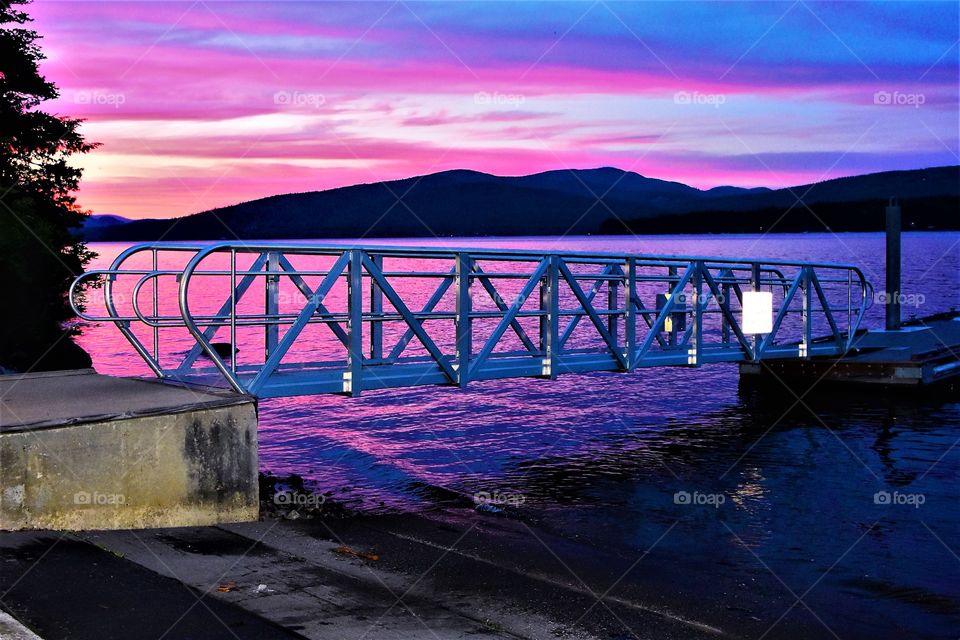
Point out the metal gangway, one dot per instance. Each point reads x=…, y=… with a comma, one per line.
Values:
x=287, y=319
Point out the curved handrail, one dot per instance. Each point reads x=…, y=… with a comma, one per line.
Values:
x=502, y=254
x=192, y=326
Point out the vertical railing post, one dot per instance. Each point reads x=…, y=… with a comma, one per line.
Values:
x=376, y=309
x=693, y=354
x=807, y=313
x=725, y=289
x=271, y=305
x=672, y=280
x=550, y=317
x=464, y=328
x=630, y=314
x=613, y=302
x=156, y=307
x=755, y=285
x=544, y=322
x=352, y=382
x=233, y=309
x=850, y=331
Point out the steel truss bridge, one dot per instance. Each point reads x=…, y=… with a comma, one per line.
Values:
x=289, y=319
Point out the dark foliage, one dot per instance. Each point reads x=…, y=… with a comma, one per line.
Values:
x=39, y=253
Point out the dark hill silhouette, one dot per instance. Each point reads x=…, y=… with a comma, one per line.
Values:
x=103, y=220
x=464, y=203
x=929, y=198
x=917, y=183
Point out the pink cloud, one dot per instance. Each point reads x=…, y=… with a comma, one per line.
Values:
x=256, y=99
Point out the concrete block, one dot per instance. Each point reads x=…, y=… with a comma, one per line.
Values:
x=182, y=457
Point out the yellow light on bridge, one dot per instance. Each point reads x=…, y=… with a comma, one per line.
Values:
x=757, y=312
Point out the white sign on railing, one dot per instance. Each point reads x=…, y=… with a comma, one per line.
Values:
x=757, y=312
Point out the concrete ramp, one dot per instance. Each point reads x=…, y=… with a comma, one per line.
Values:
x=79, y=450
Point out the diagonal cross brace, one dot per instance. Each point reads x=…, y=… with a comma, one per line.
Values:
x=699, y=307
x=715, y=289
x=303, y=318
x=427, y=308
x=594, y=289
x=826, y=309
x=196, y=350
x=415, y=325
x=502, y=306
x=667, y=309
x=782, y=313
x=509, y=316
x=637, y=304
x=592, y=313
x=304, y=288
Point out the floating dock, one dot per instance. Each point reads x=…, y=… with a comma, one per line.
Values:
x=922, y=352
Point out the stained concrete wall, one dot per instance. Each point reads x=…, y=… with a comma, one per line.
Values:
x=181, y=467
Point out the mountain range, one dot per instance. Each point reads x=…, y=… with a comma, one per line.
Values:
x=578, y=201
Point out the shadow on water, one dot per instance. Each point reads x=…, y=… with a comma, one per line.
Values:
x=703, y=444
x=850, y=495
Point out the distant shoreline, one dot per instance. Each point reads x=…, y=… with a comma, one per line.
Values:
x=465, y=203
x=374, y=239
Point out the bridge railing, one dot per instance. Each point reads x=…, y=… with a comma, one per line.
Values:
x=280, y=319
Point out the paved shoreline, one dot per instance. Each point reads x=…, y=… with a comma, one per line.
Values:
x=449, y=574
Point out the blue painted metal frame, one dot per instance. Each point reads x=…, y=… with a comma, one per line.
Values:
x=629, y=334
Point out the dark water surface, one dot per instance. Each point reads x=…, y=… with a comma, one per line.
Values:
x=778, y=489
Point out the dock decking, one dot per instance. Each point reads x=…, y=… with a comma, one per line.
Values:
x=922, y=352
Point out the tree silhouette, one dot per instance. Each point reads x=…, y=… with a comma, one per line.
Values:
x=39, y=254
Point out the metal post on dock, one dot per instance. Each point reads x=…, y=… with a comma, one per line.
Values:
x=892, y=290
x=354, y=324
x=464, y=325
x=376, y=310
x=755, y=285
x=271, y=292
x=549, y=318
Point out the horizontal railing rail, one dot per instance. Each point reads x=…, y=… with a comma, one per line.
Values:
x=274, y=319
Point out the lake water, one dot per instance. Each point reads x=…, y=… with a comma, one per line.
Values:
x=784, y=489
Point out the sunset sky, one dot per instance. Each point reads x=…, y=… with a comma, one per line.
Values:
x=201, y=104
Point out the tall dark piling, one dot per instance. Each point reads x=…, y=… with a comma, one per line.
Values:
x=892, y=290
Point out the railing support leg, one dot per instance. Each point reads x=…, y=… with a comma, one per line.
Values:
x=613, y=301
x=271, y=304
x=693, y=354
x=755, y=285
x=725, y=290
x=156, y=307
x=672, y=331
x=353, y=385
x=233, y=310
x=807, y=314
x=376, y=308
x=550, y=317
x=630, y=315
x=464, y=326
